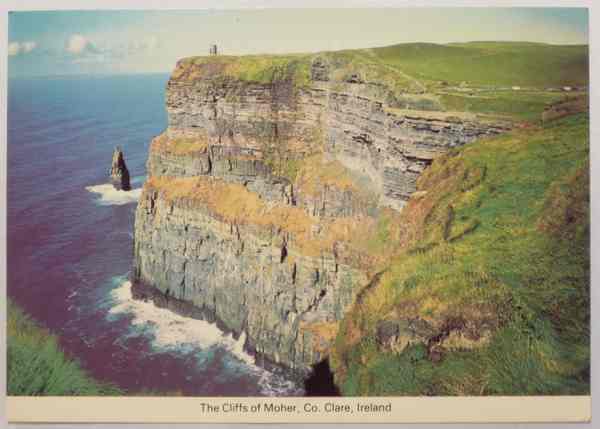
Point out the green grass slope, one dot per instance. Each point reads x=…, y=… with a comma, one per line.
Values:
x=497, y=262
x=491, y=63
x=37, y=366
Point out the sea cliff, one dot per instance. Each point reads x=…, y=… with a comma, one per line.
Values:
x=271, y=195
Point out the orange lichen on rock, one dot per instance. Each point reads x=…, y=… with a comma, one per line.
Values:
x=183, y=145
x=322, y=334
x=233, y=203
x=317, y=173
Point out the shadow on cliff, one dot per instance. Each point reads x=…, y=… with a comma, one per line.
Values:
x=320, y=381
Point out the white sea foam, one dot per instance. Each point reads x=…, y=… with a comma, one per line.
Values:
x=109, y=196
x=171, y=331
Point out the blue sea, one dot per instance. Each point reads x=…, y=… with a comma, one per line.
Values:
x=70, y=241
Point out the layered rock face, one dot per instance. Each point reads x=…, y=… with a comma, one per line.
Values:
x=263, y=277
x=263, y=198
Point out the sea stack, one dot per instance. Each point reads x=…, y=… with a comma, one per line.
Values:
x=119, y=174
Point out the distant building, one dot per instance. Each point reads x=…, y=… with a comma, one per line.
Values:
x=212, y=50
x=567, y=88
x=516, y=88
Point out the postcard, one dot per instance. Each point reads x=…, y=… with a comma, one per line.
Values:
x=298, y=215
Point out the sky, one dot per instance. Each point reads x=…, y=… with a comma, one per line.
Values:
x=112, y=42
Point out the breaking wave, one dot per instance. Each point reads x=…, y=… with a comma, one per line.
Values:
x=170, y=331
x=109, y=196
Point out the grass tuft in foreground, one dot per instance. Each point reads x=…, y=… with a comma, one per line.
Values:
x=37, y=366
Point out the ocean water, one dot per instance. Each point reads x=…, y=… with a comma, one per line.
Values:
x=70, y=237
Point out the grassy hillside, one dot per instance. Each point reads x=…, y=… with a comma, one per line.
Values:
x=474, y=77
x=491, y=63
x=493, y=276
x=37, y=366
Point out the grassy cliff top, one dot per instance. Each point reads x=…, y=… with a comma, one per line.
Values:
x=249, y=68
x=503, y=79
x=496, y=248
x=417, y=65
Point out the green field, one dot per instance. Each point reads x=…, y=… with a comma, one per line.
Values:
x=36, y=365
x=499, y=262
x=491, y=63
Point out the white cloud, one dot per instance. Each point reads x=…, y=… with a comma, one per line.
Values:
x=142, y=45
x=28, y=46
x=82, y=50
x=79, y=49
x=77, y=44
x=16, y=48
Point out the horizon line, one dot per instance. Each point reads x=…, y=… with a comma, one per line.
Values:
x=117, y=73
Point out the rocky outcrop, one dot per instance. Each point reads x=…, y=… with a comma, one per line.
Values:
x=396, y=335
x=119, y=174
x=263, y=197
